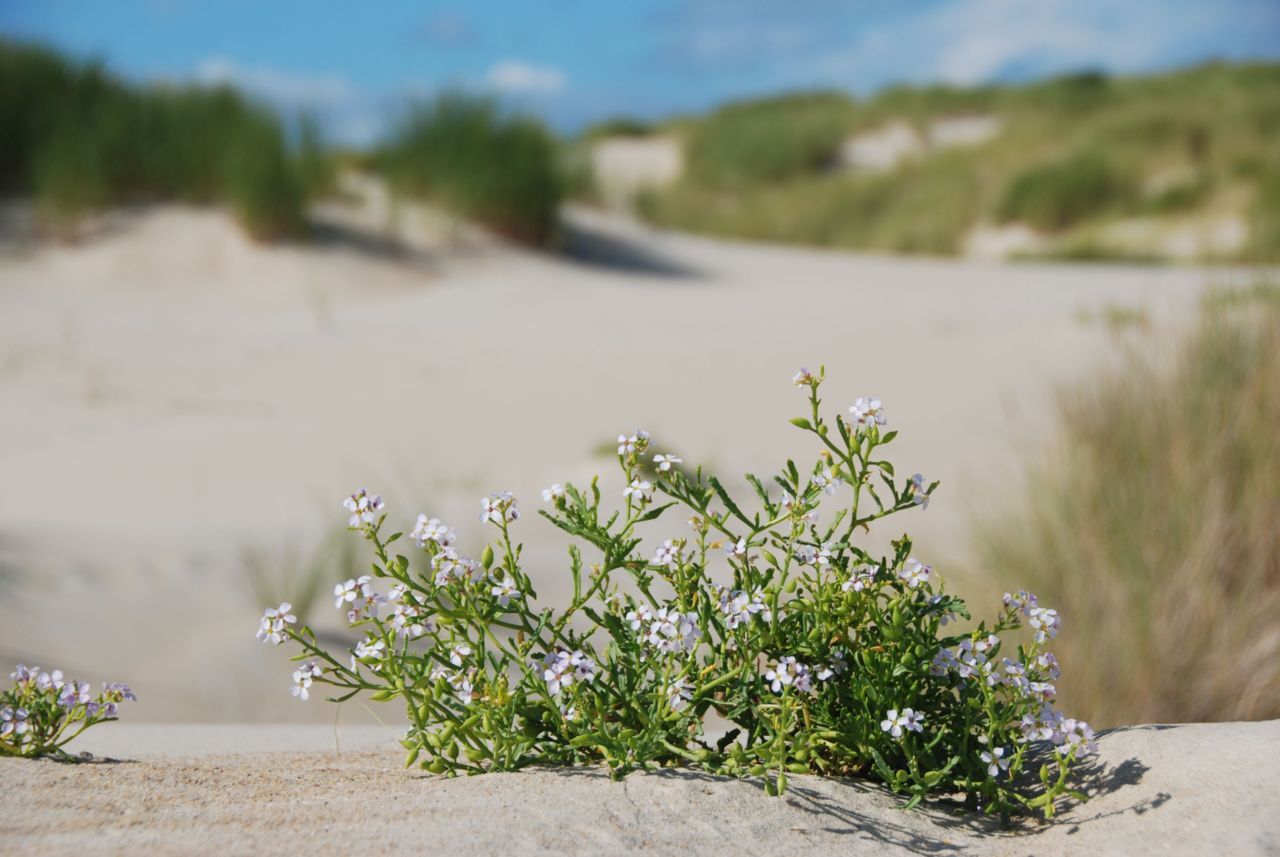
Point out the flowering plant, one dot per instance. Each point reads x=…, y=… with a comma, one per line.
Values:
x=45, y=710
x=818, y=656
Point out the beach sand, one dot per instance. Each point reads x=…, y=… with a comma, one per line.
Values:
x=1193, y=790
x=174, y=395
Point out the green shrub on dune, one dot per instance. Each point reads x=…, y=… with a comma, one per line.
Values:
x=80, y=140
x=1157, y=518
x=499, y=170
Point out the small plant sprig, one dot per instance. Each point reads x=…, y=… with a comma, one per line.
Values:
x=823, y=658
x=43, y=711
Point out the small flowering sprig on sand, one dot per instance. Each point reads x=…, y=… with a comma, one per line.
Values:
x=824, y=657
x=43, y=711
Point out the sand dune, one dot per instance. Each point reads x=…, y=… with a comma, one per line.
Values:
x=1193, y=790
x=172, y=394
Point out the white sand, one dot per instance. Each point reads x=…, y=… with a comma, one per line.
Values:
x=172, y=394
x=1187, y=790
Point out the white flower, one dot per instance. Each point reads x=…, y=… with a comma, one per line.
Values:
x=367, y=650
x=818, y=557
x=439, y=671
x=838, y=666
x=584, y=669
x=1048, y=664
x=803, y=681
x=782, y=674
x=1072, y=734
x=638, y=442
x=666, y=462
x=672, y=631
x=557, y=671
x=896, y=723
x=54, y=680
x=504, y=590
x=73, y=694
x=862, y=577
x=669, y=554
x=640, y=490
x=458, y=653
x=359, y=594
x=919, y=495
x=639, y=617
x=995, y=761
x=1045, y=621
x=408, y=621
x=799, y=509
x=1022, y=601
x=678, y=694
x=501, y=507
x=736, y=549
x=13, y=721
x=432, y=530
x=803, y=378
x=302, y=678
x=867, y=411
x=914, y=573
x=462, y=687
x=271, y=628
x=827, y=481
x=552, y=494
x=943, y=662
x=738, y=607
x=363, y=508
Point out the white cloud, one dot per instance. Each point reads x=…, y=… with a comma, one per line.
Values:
x=284, y=88
x=516, y=77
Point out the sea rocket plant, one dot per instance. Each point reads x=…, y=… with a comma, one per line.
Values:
x=45, y=710
x=822, y=656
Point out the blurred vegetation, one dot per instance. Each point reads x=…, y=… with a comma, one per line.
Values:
x=769, y=140
x=1072, y=156
x=79, y=140
x=499, y=170
x=1155, y=528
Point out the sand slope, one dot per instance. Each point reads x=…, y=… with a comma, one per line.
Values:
x=1197, y=789
x=171, y=394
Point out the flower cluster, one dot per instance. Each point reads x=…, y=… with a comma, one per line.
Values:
x=45, y=710
x=824, y=657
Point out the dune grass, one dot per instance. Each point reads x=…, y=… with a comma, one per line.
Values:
x=499, y=170
x=1155, y=528
x=79, y=140
x=1073, y=155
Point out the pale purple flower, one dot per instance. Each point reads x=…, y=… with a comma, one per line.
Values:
x=862, y=577
x=640, y=490
x=914, y=573
x=272, y=626
x=500, y=508
x=919, y=492
x=363, y=508
x=73, y=694
x=553, y=494
x=432, y=530
x=678, y=694
x=303, y=677
x=504, y=590
x=13, y=722
x=669, y=554
x=827, y=481
x=803, y=378
x=1045, y=622
x=867, y=411
x=995, y=761
x=896, y=723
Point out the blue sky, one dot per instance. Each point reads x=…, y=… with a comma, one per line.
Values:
x=575, y=61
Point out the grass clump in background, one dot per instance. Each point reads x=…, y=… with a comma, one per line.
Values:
x=79, y=140
x=498, y=170
x=769, y=140
x=1072, y=157
x=1159, y=521
x=1062, y=193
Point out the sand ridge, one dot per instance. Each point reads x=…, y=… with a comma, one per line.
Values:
x=1192, y=789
